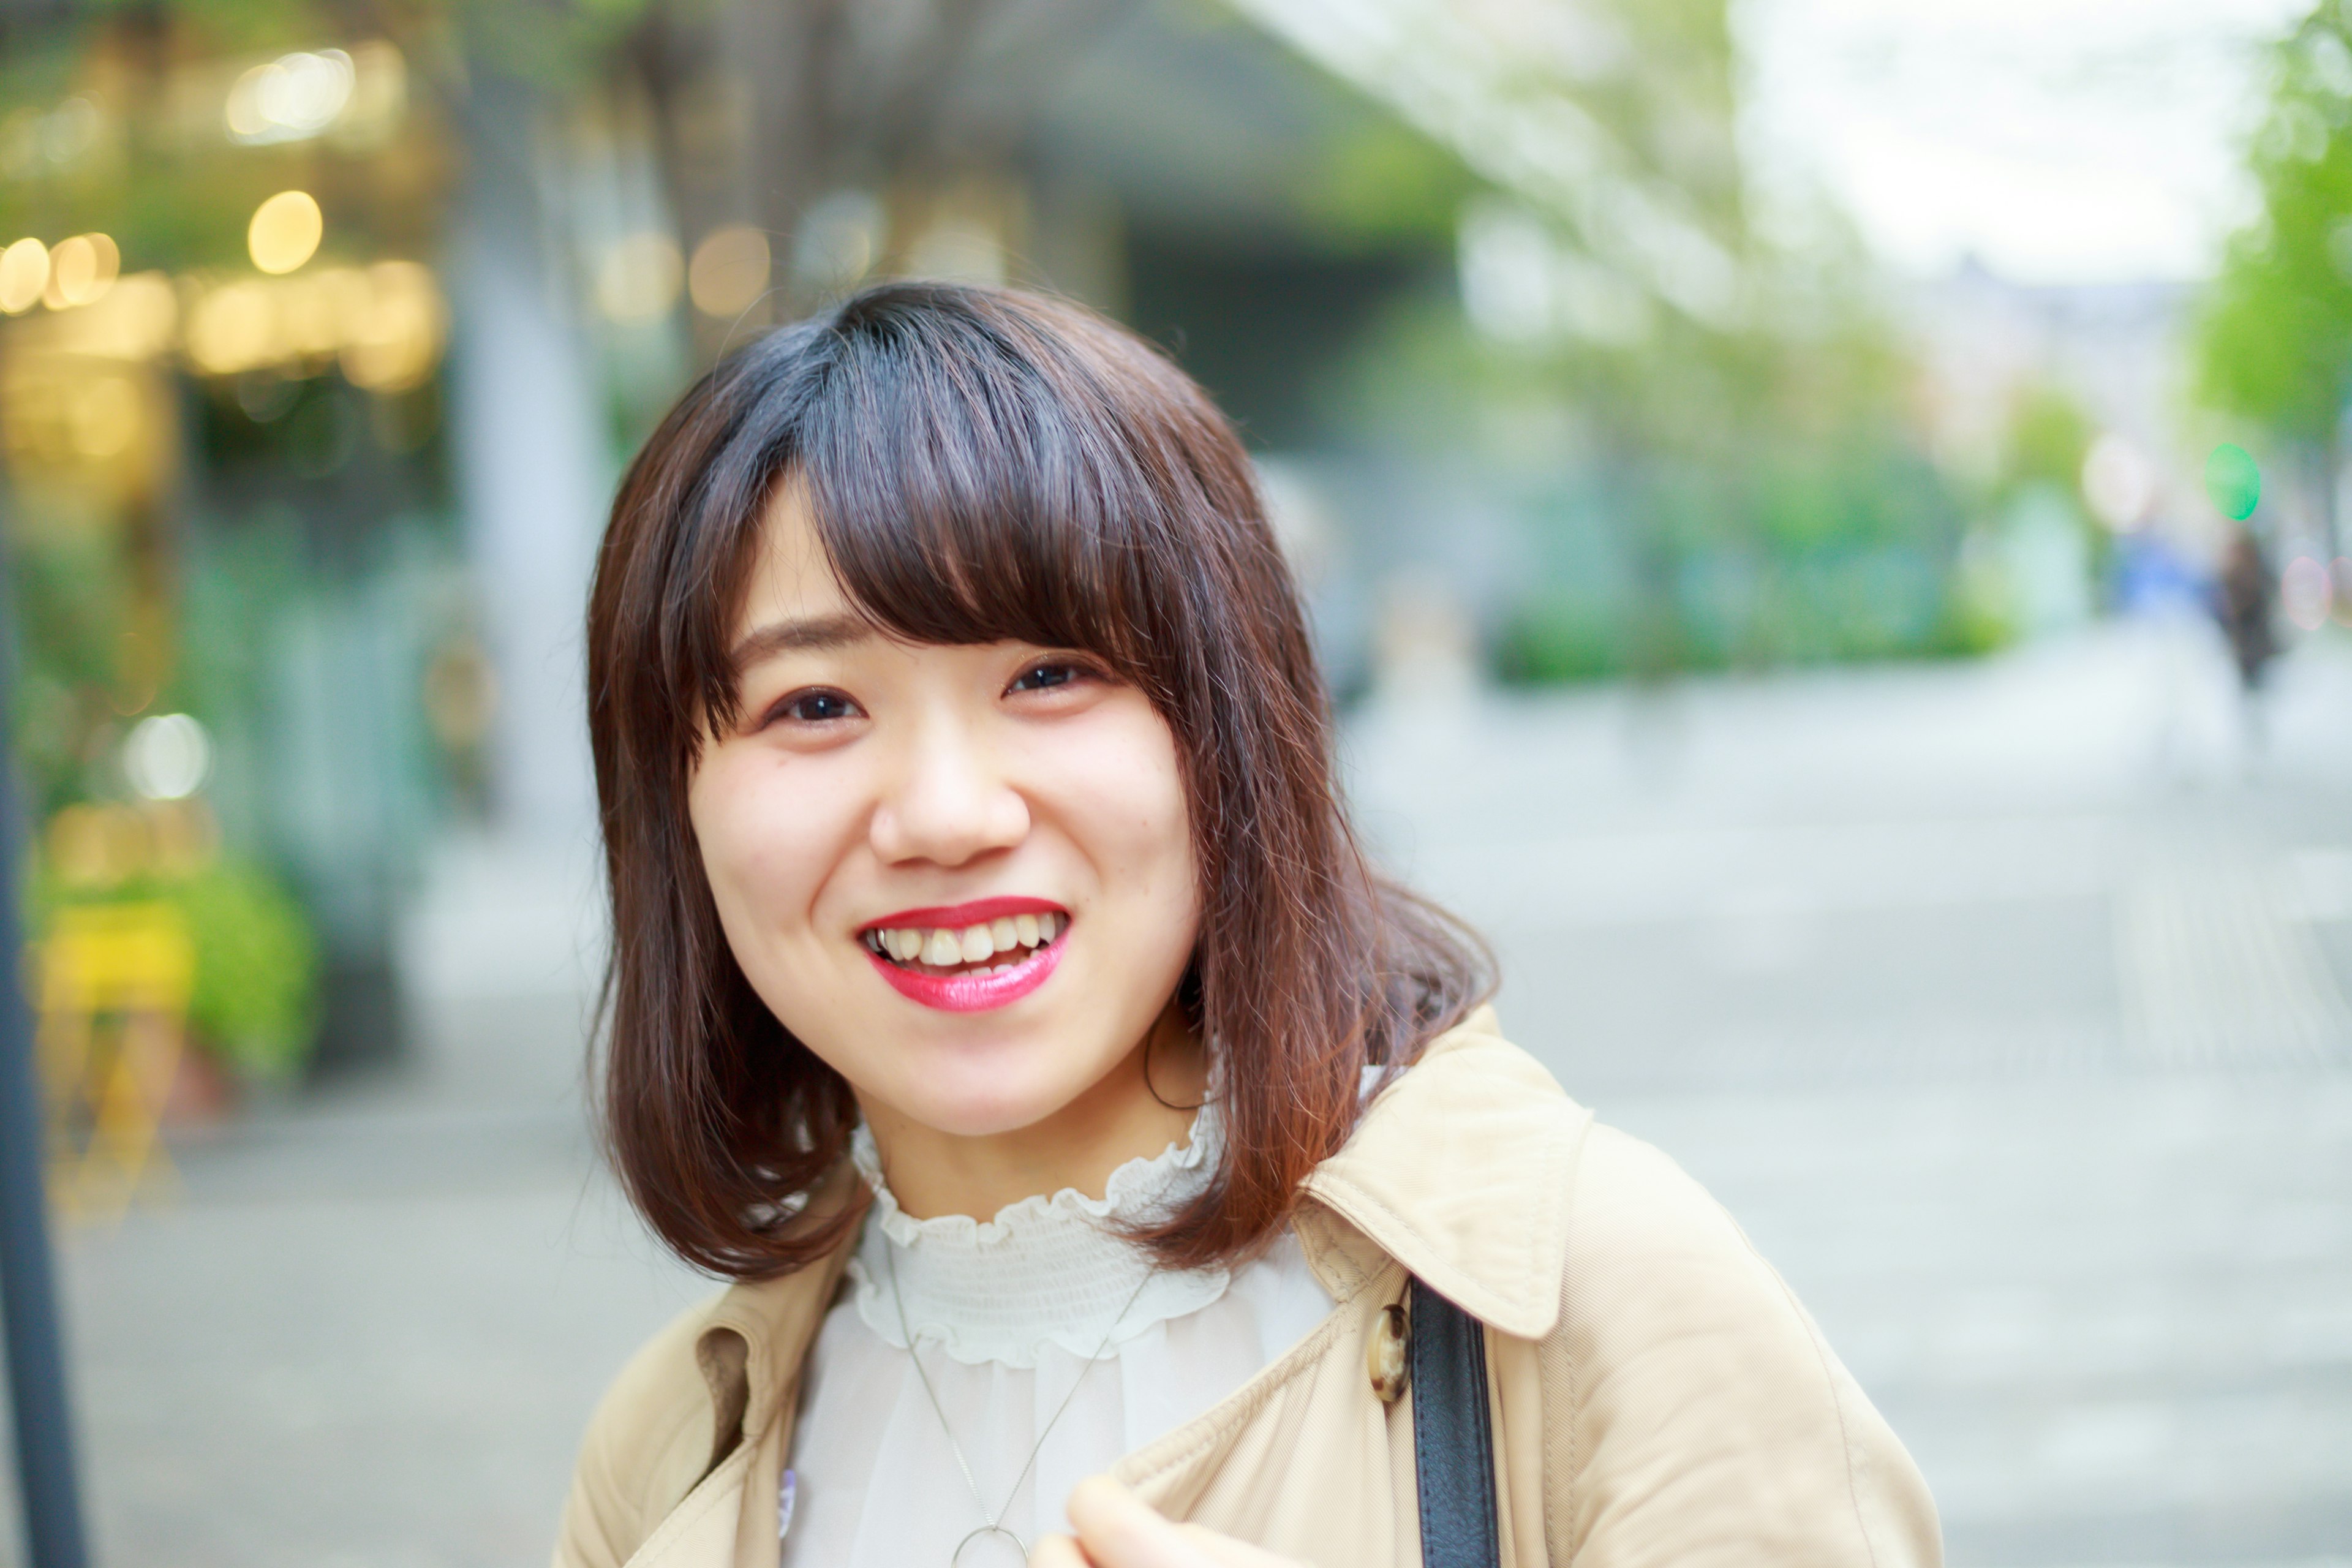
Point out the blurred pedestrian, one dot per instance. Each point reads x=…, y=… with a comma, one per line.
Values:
x=2241, y=603
x=998, y=992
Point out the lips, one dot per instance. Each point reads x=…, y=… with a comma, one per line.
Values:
x=974, y=992
x=941, y=956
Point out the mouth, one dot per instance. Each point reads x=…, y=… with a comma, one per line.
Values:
x=967, y=958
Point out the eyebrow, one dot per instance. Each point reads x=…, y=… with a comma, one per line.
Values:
x=818, y=634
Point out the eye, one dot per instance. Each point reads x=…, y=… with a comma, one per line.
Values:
x=1049, y=673
x=815, y=707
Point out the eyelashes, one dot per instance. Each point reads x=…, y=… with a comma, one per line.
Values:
x=822, y=705
x=815, y=705
x=1048, y=675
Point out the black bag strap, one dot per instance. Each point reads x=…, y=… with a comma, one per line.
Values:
x=1453, y=1444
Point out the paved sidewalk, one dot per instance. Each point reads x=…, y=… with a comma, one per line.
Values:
x=2004, y=1004
x=368, y=1335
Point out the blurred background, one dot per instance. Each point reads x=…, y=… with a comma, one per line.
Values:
x=1824, y=516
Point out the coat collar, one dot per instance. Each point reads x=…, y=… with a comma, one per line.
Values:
x=751, y=1349
x=1461, y=1171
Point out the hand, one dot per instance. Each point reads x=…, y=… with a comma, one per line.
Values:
x=1116, y=1529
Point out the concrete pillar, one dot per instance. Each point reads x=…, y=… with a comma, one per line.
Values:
x=533, y=469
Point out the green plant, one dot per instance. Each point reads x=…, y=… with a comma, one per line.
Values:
x=256, y=1002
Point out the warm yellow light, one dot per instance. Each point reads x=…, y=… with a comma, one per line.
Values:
x=137, y=318
x=80, y=271
x=396, y=342
x=292, y=97
x=24, y=273
x=234, y=329
x=102, y=418
x=730, y=271
x=638, y=278
x=319, y=311
x=284, y=231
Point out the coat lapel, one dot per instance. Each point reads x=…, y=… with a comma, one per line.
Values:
x=700, y=1531
x=750, y=1354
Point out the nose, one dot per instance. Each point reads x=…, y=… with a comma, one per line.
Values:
x=947, y=801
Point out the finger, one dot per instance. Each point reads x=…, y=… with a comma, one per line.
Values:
x=1119, y=1530
x=1058, y=1551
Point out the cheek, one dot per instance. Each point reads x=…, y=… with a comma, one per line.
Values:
x=765, y=844
x=1130, y=810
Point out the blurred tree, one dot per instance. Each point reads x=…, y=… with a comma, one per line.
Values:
x=2272, y=336
x=1727, y=414
x=2048, y=436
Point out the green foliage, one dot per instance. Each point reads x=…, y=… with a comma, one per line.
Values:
x=1661, y=80
x=1380, y=182
x=255, y=1000
x=72, y=603
x=2273, y=337
x=2049, y=437
x=1556, y=637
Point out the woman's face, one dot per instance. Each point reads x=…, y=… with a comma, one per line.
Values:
x=964, y=876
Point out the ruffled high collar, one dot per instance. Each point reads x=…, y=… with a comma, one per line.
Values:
x=1048, y=1270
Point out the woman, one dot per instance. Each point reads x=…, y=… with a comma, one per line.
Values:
x=999, y=999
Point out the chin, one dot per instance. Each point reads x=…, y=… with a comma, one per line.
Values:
x=983, y=1115
x=985, y=1100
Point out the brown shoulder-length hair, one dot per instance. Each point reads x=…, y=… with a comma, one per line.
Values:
x=984, y=465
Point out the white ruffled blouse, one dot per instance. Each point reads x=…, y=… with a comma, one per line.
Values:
x=1005, y=1316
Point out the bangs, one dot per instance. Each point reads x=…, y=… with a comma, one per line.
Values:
x=971, y=483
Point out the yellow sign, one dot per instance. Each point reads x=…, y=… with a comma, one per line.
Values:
x=112, y=983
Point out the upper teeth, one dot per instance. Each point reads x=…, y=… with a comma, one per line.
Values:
x=940, y=946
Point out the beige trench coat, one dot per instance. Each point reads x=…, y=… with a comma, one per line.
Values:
x=1658, y=1396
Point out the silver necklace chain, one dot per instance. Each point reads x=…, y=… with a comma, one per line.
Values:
x=995, y=1521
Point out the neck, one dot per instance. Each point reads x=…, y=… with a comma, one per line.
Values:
x=1126, y=1115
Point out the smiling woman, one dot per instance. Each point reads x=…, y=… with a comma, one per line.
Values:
x=998, y=994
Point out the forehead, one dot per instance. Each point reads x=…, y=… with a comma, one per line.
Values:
x=791, y=575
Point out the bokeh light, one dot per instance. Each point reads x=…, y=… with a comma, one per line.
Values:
x=81, y=270
x=233, y=328
x=284, y=231
x=384, y=324
x=2233, y=482
x=2119, y=482
x=292, y=97
x=729, y=271
x=2305, y=593
x=396, y=341
x=24, y=274
x=167, y=757
x=638, y=278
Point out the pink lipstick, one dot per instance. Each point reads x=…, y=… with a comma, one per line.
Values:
x=983, y=986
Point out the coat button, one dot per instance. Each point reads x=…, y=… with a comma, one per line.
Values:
x=1384, y=1356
